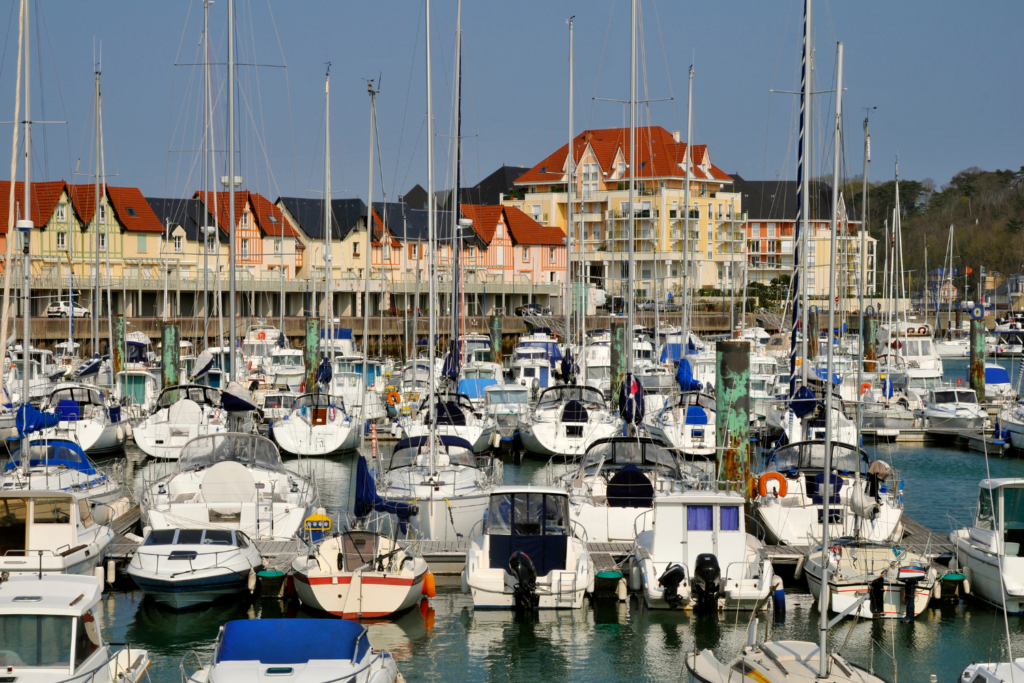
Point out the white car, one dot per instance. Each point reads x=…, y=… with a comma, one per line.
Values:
x=63, y=309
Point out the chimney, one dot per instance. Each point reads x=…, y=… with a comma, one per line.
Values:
x=587, y=136
x=675, y=135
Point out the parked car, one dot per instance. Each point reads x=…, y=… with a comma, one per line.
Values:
x=62, y=309
x=615, y=305
x=532, y=309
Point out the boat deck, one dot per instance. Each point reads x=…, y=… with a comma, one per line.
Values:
x=916, y=538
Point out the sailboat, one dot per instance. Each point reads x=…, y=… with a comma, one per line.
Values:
x=441, y=473
x=795, y=661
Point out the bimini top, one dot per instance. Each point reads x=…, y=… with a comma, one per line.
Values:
x=458, y=450
x=810, y=455
x=291, y=641
x=55, y=452
x=193, y=392
x=1005, y=482
x=570, y=392
x=247, y=449
x=53, y=594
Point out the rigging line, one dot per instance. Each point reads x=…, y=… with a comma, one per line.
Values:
x=185, y=107
x=405, y=109
x=412, y=156
x=60, y=93
x=288, y=96
x=768, y=123
x=316, y=154
x=172, y=126
x=3, y=57
x=42, y=96
x=597, y=78
x=668, y=75
x=271, y=178
x=259, y=143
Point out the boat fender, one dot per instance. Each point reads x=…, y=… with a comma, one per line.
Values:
x=465, y=582
x=636, y=579
x=120, y=433
x=621, y=591
x=252, y=580
x=111, y=572
x=98, y=573
x=669, y=581
x=496, y=439
x=762, y=484
x=429, y=585
x=778, y=594
x=968, y=575
x=798, y=573
x=937, y=591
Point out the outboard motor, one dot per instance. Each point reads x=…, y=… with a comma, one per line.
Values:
x=707, y=583
x=525, y=591
x=669, y=582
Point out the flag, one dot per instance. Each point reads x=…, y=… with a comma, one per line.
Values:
x=968, y=270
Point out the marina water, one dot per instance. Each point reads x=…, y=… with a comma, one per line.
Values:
x=617, y=642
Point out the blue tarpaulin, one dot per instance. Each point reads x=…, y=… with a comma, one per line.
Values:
x=695, y=415
x=292, y=641
x=474, y=388
x=671, y=353
x=339, y=333
x=820, y=373
x=367, y=500
x=685, y=377
x=995, y=374
x=54, y=452
x=31, y=420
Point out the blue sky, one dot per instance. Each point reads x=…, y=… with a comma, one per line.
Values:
x=946, y=77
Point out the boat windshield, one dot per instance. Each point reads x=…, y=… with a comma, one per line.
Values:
x=480, y=373
x=691, y=398
x=257, y=349
x=196, y=537
x=416, y=453
x=80, y=395
x=36, y=640
x=506, y=396
x=810, y=455
x=966, y=397
x=599, y=372
x=945, y=396
x=290, y=360
x=278, y=401
x=247, y=449
x=476, y=345
x=527, y=513
x=315, y=401
x=558, y=395
x=657, y=384
x=617, y=453
x=201, y=395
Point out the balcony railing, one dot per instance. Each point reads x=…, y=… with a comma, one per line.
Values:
x=619, y=214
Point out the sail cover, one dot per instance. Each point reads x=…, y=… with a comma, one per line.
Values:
x=631, y=400
x=368, y=500
x=31, y=420
x=684, y=374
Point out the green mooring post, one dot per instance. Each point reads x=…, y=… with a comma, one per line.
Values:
x=812, y=335
x=170, y=353
x=732, y=413
x=495, y=327
x=118, y=358
x=977, y=368
x=620, y=347
x=312, y=352
x=867, y=338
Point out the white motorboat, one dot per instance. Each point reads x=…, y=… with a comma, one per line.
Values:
x=137, y=391
x=182, y=413
x=989, y=551
x=50, y=631
x=451, y=492
x=687, y=422
x=186, y=567
x=811, y=427
x=1011, y=422
x=361, y=574
x=659, y=386
x=88, y=417
x=318, y=424
x=258, y=346
x=61, y=465
x=697, y=554
x=885, y=403
x=476, y=377
x=531, y=369
x=867, y=497
x=616, y=483
x=764, y=372
x=455, y=416
x=596, y=361
x=506, y=405
x=304, y=650
x=998, y=386
x=1002, y=672
x=903, y=346
x=230, y=481
x=351, y=388
x=887, y=574
x=952, y=408
x=45, y=531
x=528, y=554
x=287, y=369
x=566, y=421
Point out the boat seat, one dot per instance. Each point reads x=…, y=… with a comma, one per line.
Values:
x=630, y=488
x=185, y=412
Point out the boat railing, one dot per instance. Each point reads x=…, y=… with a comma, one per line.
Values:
x=751, y=570
x=185, y=678
x=636, y=529
x=576, y=528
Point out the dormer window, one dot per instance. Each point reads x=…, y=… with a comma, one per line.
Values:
x=245, y=221
x=103, y=213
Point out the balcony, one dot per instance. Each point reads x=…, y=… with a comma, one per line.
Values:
x=619, y=214
x=589, y=217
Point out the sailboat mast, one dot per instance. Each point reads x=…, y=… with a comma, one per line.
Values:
x=95, y=216
x=684, y=322
x=369, y=232
x=25, y=231
x=804, y=172
x=106, y=252
x=569, y=187
x=232, y=304
x=329, y=225
x=206, y=177
x=630, y=307
x=456, y=306
x=863, y=276
x=431, y=340
x=837, y=132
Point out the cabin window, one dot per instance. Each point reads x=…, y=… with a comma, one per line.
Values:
x=35, y=640
x=190, y=536
x=85, y=513
x=1013, y=515
x=699, y=517
x=985, y=519
x=52, y=511
x=87, y=638
x=528, y=514
x=730, y=518
x=14, y=516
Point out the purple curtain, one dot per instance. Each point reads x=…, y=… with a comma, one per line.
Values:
x=730, y=519
x=698, y=518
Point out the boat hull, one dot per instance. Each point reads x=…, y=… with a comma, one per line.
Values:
x=189, y=592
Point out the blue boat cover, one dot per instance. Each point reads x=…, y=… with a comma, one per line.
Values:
x=671, y=353
x=339, y=333
x=237, y=399
x=803, y=402
x=695, y=415
x=995, y=374
x=291, y=641
x=54, y=452
x=631, y=400
x=30, y=420
x=474, y=388
x=367, y=500
x=822, y=372
x=685, y=377
x=887, y=387
x=68, y=410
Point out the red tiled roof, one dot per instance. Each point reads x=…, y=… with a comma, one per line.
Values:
x=83, y=198
x=658, y=155
x=485, y=219
x=268, y=215
x=378, y=230
x=128, y=201
x=525, y=230
x=44, y=200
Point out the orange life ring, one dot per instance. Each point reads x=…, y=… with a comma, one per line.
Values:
x=897, y=344
x=762, y=484
x=923, y=329
x=394, y=398
x=865, y=388
x=261, y=336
